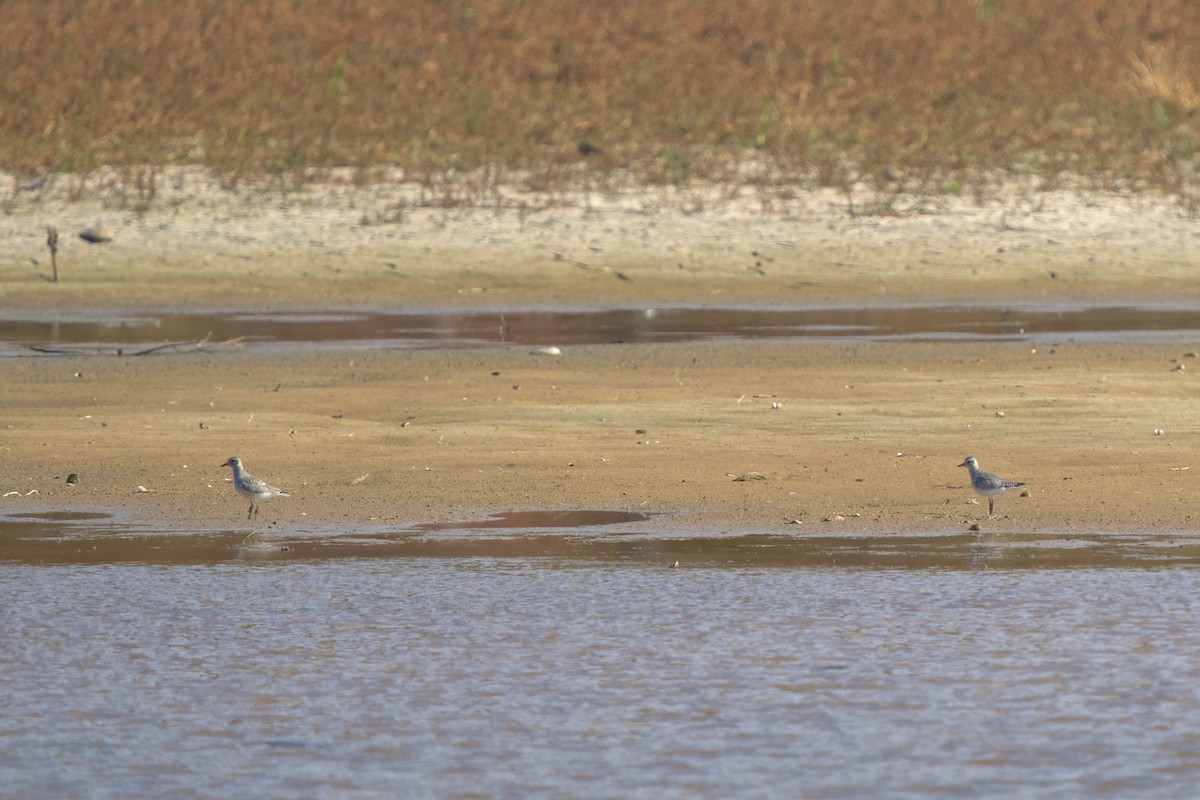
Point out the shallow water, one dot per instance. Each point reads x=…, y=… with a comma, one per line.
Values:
x=445, y=328
x=77, y=538
x=178, y=665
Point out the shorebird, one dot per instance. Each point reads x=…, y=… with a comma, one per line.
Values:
x=987, y=484
x=254, y=489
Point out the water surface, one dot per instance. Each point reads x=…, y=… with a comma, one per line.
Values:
x=107, y=331
x=548, y=677
x=76, y=538
x=525, y=655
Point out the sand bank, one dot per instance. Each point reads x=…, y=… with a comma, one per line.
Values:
x=788, y=438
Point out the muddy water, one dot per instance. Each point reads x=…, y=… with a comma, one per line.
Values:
x=472, y=328
x=524, y=656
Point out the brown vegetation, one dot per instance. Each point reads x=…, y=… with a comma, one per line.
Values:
x=936, y=95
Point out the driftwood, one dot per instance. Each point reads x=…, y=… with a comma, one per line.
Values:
x=194, y=346
x=58, y=351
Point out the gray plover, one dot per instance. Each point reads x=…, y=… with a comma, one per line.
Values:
x=987, y=484
x=254, y=489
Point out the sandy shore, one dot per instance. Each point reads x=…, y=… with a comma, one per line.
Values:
x=864, y=438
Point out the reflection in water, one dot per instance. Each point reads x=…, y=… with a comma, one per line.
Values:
x=471, y=328
x=486, y=676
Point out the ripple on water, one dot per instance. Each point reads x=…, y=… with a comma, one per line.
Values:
x=550, y=677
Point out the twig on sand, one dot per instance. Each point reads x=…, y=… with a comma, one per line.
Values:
x=589, y=268
x=52, y=243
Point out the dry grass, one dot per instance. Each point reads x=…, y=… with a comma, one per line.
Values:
x=921, y=97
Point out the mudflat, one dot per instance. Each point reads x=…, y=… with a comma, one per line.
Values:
x=786, y=437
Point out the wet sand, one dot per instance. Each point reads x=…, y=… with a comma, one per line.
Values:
x=865, y=436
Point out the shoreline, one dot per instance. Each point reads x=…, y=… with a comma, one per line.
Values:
x=328, y=244
x=396, y=437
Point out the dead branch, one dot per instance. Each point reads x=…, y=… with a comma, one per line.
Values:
x=194, y=346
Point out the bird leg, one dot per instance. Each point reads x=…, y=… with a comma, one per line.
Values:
x=991, y=502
